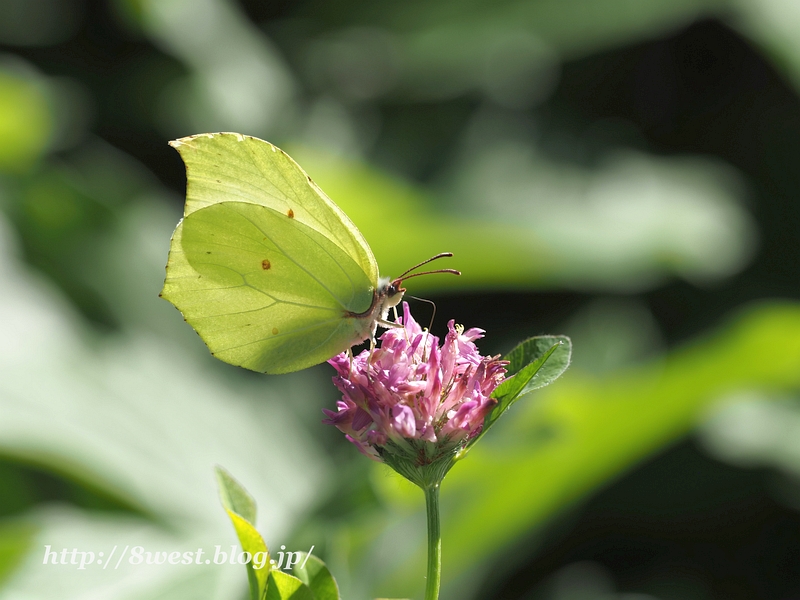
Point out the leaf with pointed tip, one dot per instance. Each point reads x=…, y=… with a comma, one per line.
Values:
x=241, y=509
x=234, y=497
x=533, y=364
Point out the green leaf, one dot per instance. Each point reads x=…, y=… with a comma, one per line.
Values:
x=533, y=364
x=234, y=497
x=315, y=574
x=533, y=348
x=287, y=587
x=241, y=509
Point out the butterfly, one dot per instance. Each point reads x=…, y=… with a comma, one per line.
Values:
x=271, y=274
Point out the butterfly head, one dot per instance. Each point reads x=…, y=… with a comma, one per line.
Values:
x=393, y=291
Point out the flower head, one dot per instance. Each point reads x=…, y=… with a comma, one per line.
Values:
x=411, y=400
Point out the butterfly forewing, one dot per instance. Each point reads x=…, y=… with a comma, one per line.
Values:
x=224, y=167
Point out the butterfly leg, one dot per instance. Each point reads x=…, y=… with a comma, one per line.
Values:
x=395, y=324
x=350, y=356
x=388, y=324
x=369, y=357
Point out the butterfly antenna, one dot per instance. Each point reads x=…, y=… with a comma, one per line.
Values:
x=425, y=262
x=404, y=276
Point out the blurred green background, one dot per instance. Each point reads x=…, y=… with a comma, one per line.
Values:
x=626, y=172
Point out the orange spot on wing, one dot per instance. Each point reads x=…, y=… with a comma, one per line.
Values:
x=290, y=213
x=265, y=264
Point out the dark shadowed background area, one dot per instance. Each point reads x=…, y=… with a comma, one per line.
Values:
x=626, y=172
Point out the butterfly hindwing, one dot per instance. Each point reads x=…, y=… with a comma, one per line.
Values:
x=263, y=292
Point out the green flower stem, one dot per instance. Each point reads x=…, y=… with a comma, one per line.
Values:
x=434, y=542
